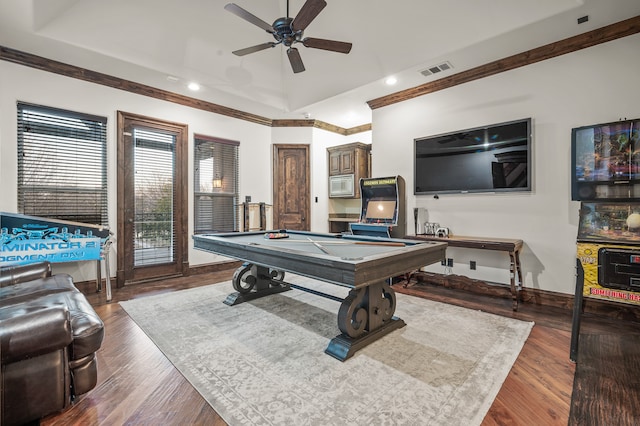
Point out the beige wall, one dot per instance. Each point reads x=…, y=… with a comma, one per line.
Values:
x=590, y=86
x=19, y=83
x=594, y=85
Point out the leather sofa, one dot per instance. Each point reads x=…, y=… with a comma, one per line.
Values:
x=49, y=334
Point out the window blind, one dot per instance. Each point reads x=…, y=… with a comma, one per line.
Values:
x=154, y=233
x=215, y=185
x=62, y=164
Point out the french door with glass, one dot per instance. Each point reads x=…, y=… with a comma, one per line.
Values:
x=152, y=198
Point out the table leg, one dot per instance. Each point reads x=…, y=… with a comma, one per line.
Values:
x=577, y=311
x=98, y=276
x=107, y=272
x=253, y=281
x=515, y=272
x=365, y=315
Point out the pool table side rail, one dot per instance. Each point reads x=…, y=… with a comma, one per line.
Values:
x=347, y=273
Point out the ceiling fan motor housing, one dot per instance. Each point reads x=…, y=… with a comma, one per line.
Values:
x=283, y=31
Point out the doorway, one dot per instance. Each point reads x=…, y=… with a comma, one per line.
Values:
x=291, y=192
x=152, y=199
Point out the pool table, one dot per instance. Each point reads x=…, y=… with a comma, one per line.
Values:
x=361, y=263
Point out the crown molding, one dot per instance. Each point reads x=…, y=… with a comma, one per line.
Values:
x=598, y=36
x=72, y=71
x=322, y=125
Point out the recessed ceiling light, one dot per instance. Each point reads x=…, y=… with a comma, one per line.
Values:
x=390, y=81
x=172, y=78
x=194, y=86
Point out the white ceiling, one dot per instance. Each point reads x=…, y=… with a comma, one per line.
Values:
x=148, y=40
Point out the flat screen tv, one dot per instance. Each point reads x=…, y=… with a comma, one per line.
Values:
x=605, y=161
x=493, y=158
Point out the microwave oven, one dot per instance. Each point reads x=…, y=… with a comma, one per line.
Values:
x=342, y=186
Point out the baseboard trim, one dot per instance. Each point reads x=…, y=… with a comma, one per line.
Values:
x=206, y=268
x=529, y=295
x=214, y=267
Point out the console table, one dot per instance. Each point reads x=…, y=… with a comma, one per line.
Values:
x=512, y=247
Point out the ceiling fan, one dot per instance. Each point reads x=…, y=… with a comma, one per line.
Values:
x=289, y=31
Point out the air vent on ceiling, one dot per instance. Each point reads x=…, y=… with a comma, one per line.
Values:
x=436, y=69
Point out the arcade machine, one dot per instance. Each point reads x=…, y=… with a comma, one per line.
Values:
x=606, y=179
x=608, y=257
x=28, y=239
x=382, y=211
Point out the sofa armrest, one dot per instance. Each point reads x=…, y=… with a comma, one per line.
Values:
x=29, y=334
x=10, y=275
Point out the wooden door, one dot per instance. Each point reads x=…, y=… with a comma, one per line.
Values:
x=291, y=193
x=152, y=198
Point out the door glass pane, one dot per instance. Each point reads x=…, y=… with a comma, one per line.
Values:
x=154, y=173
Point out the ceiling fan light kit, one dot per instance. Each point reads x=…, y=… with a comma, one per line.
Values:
x=289, y=31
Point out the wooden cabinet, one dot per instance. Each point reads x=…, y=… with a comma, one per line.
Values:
x=350, y=159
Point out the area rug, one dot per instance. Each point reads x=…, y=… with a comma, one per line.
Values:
x=263, y=362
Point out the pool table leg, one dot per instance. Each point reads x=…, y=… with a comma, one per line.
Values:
x=253, y=281
x=365, y=316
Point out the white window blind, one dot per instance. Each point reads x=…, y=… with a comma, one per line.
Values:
x=62, y=164
x=154, y=234
x=216, y=185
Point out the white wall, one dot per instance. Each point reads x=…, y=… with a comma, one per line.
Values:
x=589, y=86
x=18, y=83
x=318, y=141
x=594, y=85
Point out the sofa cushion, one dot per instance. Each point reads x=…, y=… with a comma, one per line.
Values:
x=10, y=275
x=87, y=328
x=25, y=291
x=28, y=334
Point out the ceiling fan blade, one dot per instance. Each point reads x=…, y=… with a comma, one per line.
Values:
x=295, y=60
x=308, y=13
x=253, y=49
x=333, y=46
x=247, y=16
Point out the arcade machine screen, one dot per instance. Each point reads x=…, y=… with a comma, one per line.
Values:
x=380, y=211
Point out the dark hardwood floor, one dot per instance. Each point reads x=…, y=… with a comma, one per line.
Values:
x=137, y=385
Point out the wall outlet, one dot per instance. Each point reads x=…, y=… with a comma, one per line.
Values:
x=472, y=264
x=450, y=262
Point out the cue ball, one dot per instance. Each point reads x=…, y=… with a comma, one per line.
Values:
x=633, y=221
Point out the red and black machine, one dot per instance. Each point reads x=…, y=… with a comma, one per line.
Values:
x=28, y=239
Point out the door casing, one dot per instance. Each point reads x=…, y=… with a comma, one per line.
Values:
x=291, y=187
x=126, y=272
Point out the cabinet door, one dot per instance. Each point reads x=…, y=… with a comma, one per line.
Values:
x=334, y=163
x=347, y=162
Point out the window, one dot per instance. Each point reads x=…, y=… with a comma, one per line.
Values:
x=62, y=164
x=216, y=185
x=154, y=155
